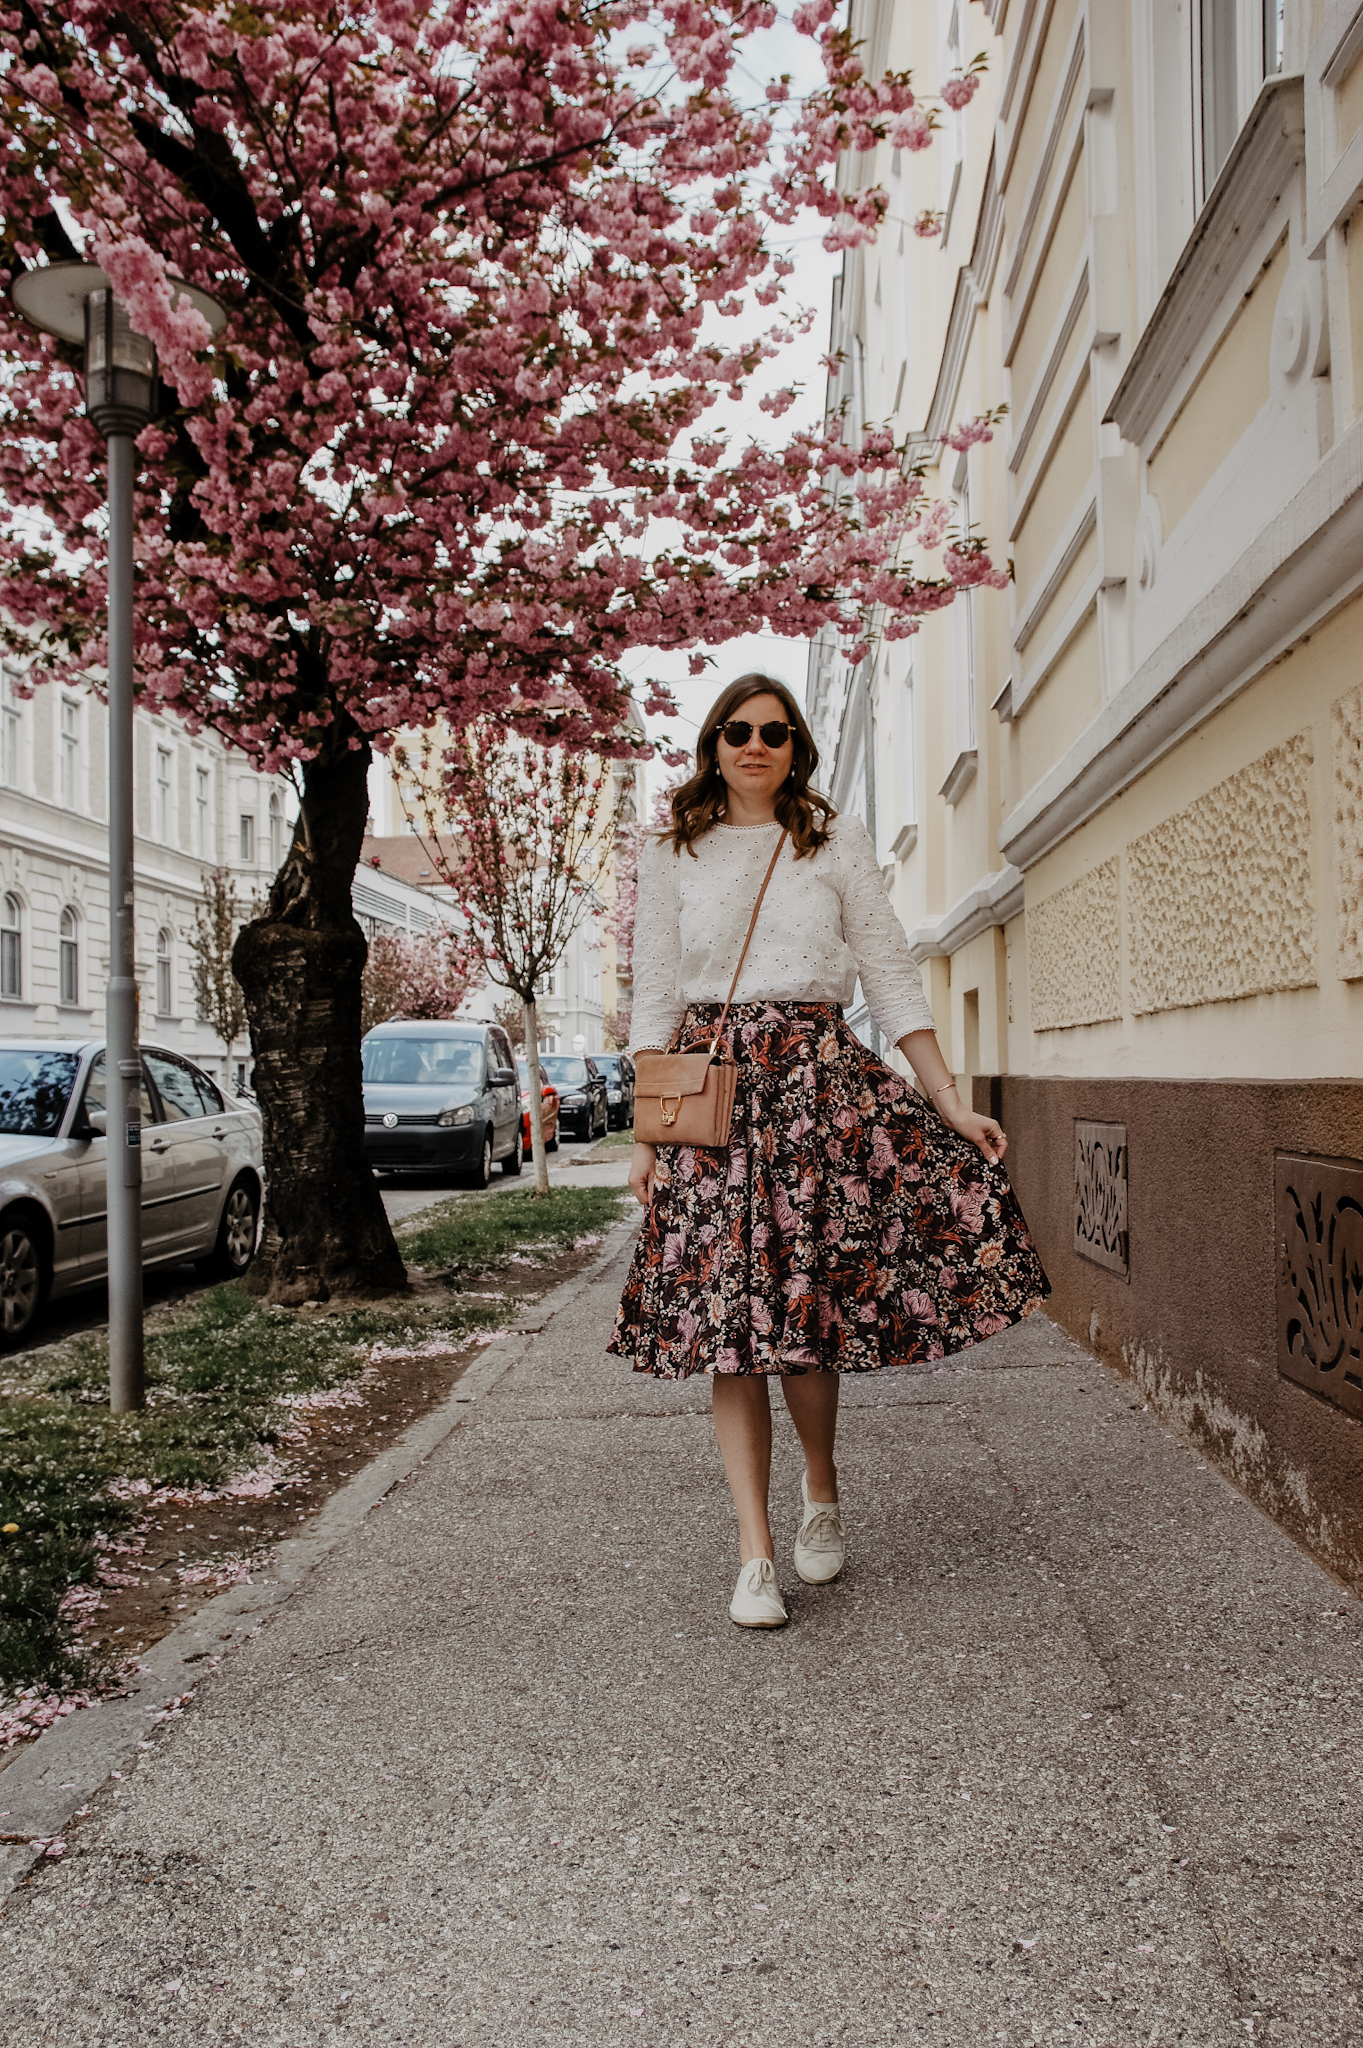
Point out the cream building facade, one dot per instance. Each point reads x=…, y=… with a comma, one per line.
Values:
x=199, y=805
x=1120, y=807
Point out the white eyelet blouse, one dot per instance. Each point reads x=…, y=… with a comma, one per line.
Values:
x=825, y=920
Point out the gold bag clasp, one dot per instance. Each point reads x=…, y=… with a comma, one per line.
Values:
x=669, y=1115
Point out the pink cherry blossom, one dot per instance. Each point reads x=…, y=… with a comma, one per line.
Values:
x=959, y=91
x=421, y=475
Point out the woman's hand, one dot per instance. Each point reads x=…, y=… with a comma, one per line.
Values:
x=980, y=1130
x=643, y=1169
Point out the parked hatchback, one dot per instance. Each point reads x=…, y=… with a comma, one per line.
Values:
x=618, y=1069
x=441, y=1098
x=582, y=1108
x=202, y=1172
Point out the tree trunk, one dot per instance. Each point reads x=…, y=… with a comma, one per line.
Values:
x=299, y=964
x=532, y=1061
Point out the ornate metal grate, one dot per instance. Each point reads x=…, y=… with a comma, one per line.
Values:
x=1100, y=1227
x=1319, y=1218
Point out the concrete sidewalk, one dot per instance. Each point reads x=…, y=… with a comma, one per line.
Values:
x=1069, y=1755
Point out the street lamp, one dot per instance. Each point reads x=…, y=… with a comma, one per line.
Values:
x=77, y=302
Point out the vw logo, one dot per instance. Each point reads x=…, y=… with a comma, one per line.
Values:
x=390, y=1122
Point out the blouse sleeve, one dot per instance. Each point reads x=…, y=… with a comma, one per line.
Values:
x=890, y=978
x=658, y=1005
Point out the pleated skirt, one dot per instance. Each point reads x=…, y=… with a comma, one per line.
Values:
x=845, y=1228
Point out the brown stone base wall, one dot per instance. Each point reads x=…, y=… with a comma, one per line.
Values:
x=1195, y=1321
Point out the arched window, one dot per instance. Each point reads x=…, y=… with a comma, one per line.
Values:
x=68, y=958
x=276, y=831
x=163, y=976
x=12, y=948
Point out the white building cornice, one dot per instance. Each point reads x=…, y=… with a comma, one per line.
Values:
x=993, y=901
x=1266, y=152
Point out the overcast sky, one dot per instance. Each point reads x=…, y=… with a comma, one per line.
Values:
x=810, y=284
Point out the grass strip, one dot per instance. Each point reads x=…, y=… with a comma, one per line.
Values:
x=220, y=1369
x=473, y=1234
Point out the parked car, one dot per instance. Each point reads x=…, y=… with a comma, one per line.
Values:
x=582, y=1108
x=618, y=1069
x=202, y=1172
x=441, y=1098
x=548, y=1108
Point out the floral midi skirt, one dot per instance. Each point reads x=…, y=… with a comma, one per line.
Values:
x=845, y=1228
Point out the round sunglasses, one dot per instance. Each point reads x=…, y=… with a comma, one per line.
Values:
x=775, y=733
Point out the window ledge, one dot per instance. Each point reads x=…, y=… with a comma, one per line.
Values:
x=961, y=775
x=905, y=842
x=1269, y=147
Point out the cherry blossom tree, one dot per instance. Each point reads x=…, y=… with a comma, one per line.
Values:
x=450, y=458
x=523, y=835
x=423, y=974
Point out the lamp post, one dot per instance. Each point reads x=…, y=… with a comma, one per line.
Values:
x=77, y=302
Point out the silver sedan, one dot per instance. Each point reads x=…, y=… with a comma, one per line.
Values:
x=202, y=1172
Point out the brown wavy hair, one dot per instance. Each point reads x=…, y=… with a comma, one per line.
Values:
x=703, y=801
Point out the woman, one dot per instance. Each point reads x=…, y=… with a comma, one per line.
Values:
x=852, y=1223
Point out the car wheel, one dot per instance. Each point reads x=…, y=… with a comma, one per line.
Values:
x=514, y=1160
x=481, y=1175
x=236, y=1245
x=23, y=1276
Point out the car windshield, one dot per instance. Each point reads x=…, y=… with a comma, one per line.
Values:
x=422, y=1062
x=609, y=1063
x=562, y=1071
x=35, y=1088
x=523, y=1069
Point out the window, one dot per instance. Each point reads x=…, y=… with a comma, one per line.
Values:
x=953, y=158
x=209, y=1096
x=10, y=727
x=68, y=958
x=97, y=1093
x=248, y=839
x=180, y=1101
x=70, y=756
x=12, y=948
x=276, y=831
x=1233, y=52
x=163, y=795
x=163, y=973
x=963, y=611
x=201, y=827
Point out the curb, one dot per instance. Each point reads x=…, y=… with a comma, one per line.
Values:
x=67, y=1764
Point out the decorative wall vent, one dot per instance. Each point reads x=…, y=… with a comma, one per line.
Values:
x=1319, y=1218
x=1100, y=1228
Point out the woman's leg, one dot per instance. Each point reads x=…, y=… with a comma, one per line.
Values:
x=812, y=1398
x=742, y=1414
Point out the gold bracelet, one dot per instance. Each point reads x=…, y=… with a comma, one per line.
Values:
x=943, y=1089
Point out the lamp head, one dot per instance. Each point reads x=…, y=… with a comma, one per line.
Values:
x=77, y=301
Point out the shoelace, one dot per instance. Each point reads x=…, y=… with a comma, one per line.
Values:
x=759, y=1572
x=822, y=1526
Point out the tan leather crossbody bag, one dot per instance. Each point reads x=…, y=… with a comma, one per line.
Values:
x=687, y=1098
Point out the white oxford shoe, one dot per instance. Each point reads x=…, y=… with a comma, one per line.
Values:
x=821, y=1546
x=757, y=1601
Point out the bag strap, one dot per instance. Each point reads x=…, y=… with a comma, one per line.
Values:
x=752, y=927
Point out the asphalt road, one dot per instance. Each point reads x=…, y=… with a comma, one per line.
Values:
x=1069, y=1754
x=571, y=1166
